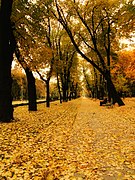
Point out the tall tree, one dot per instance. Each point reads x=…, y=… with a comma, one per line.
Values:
x=96, y=22
x=6, y=57
x=124, y=73
x=25, y=32
x=42, y=63
x=30, y=78
x=38, y=33
x=66, y=59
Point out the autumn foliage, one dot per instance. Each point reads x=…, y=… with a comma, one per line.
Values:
x=124, y=72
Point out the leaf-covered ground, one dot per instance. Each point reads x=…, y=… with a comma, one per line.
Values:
x=78, y=140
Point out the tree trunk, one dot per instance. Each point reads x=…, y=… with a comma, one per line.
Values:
x=47, y=93
x=113, y=93
x=96, y=84
x=109, y=90
x=76, y=87
x=64, y=89
x=58, y=84
x=30, y=79
x=31, y=90
x=101, y=87
x=6, y=57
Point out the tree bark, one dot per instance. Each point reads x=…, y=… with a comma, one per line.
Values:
x=96, y=84
x=47, y=82
x=113, y=93
x=31, y=90
x=76, y=87
x=58, y=85
x=30, y=79
x=47, y=93
x=64, y=89
x=6, y=57
x=101, y=87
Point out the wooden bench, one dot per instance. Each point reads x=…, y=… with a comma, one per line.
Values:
x=103, y=102
x=106, y=103
x=109, y=105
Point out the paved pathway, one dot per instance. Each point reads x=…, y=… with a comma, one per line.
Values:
x=102, y=142
x=78, y=140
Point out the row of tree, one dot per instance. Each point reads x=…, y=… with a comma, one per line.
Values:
x=123, y=71
x=20, y=88
x=46, y=37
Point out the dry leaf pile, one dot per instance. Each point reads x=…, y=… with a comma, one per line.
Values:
x=71, y=141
